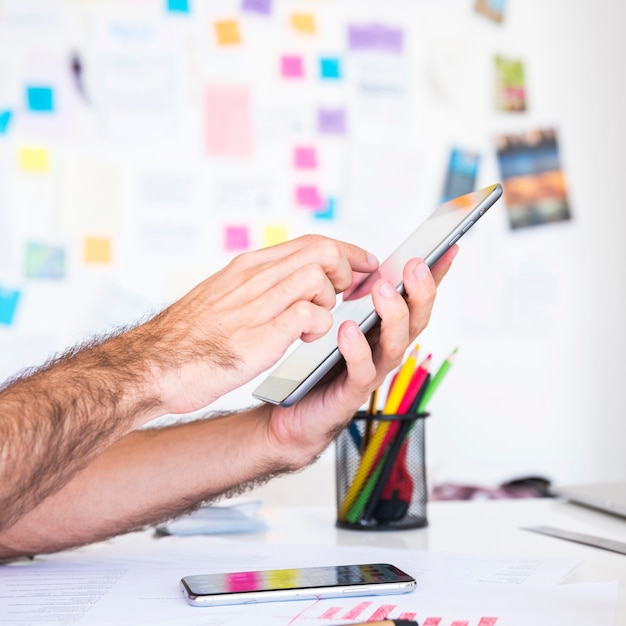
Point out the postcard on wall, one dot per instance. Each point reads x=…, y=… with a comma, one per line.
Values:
x=534, y=183
x=510, y=85
x=493, y=9
x=461, y=174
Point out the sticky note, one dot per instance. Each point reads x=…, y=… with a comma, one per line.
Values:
x=228, y=122
x=330, y=68
x=44, y=261
x=291, y=66
x=274, y=234
x=376, y=37
x=34, y=159
x=331, y=121
x=177, y=6
x=40, y=99
x=236, y=238
x=5, y=119
x=8, y=304
x=327, y=212
x=303, y=23
x=305, y=157
x=308, y=196
x=97, y=250
x=227, y=32
x=264, y=7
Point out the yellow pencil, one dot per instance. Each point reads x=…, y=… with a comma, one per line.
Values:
x=396, y=393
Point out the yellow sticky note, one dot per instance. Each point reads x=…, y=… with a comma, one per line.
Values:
x=227, y=32
x=303, y=22
x=97, y=250
x=34, y=160
x=274, y=234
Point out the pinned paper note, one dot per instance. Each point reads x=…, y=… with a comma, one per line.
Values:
x=303, y=23
x=291, y=66
x=461, y=174
x=177, y=6
x=97, y=250
x=309, y=196
x=236, y=238
x=40, y=99
x=375, y=37
x=44, y=261
x=34, y=159
x=274, y=234
x=227, y=32
x=8, y=305
x=331, y=121
x=305, y=157
x=330, y=68
x=5, y=120
x=228, y=125
x=264, y=7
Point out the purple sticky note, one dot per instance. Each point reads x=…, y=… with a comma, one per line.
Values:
x=304, y=157
x=308, y=196
x=331, y=121
x=376, y=37
x=291, y=66
x=257, y=6
x=236, y=238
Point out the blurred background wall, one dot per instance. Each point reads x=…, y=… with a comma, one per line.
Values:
x=144, y=143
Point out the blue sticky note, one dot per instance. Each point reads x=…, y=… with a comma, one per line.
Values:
x=330, y=68
x=8, y=304
x=40, y=99
x=327, y=212
x=177, y=6
x=5, y=119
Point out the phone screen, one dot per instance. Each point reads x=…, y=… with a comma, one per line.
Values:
x=281, y=584
x=307, y=364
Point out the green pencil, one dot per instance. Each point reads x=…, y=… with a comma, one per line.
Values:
x=436, y=381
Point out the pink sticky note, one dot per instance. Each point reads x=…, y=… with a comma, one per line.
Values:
x=308, y=196
x=228, y=125
x=291, y=66
x=305, y=157
x=236, y=238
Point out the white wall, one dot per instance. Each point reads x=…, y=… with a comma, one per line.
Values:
x=538, y=313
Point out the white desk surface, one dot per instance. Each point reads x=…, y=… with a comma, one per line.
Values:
x=478, y=527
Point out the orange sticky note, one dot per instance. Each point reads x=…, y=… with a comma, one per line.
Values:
x=227, y=32
x=303, y=22
x=34, y=160
x=274, y=234
x=97, y=250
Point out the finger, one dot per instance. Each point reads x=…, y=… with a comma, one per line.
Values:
x=307, y=285
x=421, y=289
x=394, y=334
x=441, y=267
x=361, y=373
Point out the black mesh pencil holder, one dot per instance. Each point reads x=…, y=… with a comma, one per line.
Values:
x=381, y=472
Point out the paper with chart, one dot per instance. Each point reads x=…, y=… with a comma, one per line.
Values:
x=134, y=580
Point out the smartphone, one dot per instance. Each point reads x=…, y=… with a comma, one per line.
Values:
x=305, y=583
x=302, y=368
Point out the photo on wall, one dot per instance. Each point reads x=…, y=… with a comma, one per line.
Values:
x=510, y=85
x=534, y=183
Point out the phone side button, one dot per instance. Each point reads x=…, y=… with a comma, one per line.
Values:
x=357, y=590
x=468, y=226
x=454, y=239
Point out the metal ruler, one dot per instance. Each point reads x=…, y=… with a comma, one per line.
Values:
x=588, y=540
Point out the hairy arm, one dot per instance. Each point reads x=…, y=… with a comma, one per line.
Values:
x=151, y=475
x=224, y=332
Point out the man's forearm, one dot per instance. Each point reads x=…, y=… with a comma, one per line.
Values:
x=147, y=477
x=54, y=421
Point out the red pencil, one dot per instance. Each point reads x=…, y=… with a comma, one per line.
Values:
x=417, y=380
